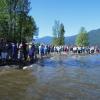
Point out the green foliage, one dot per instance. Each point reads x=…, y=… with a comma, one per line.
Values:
x=3, y=28
x=82, y=38
x=19, y=25
x=3, y=5
x=55, y=32
x=61, y=35
x=58, y=33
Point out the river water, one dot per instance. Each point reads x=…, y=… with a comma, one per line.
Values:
x=57, y=78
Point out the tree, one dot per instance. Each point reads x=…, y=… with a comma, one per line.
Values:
x=3, y=20
x=21, y=9
x=82, y=38
x=58, y=33
x=61, y=35
x=20, y=24
x=29, y=28
x=55, y=32
x=10, y=9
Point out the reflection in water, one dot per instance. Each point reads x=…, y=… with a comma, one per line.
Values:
x=58, y=78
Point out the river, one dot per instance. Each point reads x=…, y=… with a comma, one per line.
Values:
x=57, y=78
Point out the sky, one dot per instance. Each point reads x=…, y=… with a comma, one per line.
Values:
x=74, y=14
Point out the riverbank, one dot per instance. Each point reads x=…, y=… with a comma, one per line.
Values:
x=28, y=65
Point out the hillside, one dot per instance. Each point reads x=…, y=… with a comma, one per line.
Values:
x=94, y=38
x=46, y=40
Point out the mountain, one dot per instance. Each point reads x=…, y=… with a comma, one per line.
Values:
x=46, y=40
x=70, y=40
x=94, y=38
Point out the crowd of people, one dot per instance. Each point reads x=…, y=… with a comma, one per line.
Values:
x=70, y=49
x=23, y=52
x=16, y=52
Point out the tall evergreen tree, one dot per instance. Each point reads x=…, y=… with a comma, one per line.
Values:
x=82, y=38
x=58, y=33
x=55, y=32
x=61, y=35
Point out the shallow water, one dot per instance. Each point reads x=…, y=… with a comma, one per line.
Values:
x=58, y=78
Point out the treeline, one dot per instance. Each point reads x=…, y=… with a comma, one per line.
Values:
x=15, y=22
x=59, y=32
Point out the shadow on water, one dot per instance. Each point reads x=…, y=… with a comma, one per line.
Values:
x=58, y=78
